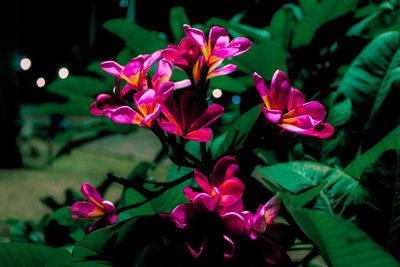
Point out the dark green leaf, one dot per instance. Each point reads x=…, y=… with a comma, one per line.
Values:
x=340, y=242
x=239, y=130
x=79, y=85
x=137, y=38
x=177, y=19
x=377, y=202
x=301, y=175
x=228, y=84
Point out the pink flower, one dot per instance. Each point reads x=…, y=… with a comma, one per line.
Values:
x=301, y=117
x=203, y=217
x=187, y=121
x=215, y=50
x=225, y=188
x=96, y=208
x=134, y=72
x=147, y=104
x=184, y=56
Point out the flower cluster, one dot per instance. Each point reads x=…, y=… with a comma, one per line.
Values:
x=218, y=210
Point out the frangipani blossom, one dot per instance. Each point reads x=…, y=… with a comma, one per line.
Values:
x=184, y=56
x=134, y=72
x=97, y=208
x=225, y=188
x=147, y=104
x=265, y=214
x=215, y=50
x=105, y=102
x=301, y=117
x=202, y=217
x=187, y=121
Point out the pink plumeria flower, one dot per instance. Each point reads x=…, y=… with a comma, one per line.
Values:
x=301, y=117
x=187, y=121
x=215, y=50
x=184, y=56
x=134, y=72
x=104, y=102
x=97, y=208
x=204, y=215
x=225, y=188
x=147, y=104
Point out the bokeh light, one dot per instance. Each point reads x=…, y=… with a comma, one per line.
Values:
x=236, y=99
x=40, y=82
x=217, y=93
x=63, y=73
x=25, y=63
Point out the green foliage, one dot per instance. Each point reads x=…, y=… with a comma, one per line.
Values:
x=177, y=19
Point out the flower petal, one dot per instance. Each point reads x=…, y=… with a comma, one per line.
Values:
x=126, y=114
x=132, y=72
x=202, y=181
x=112, y=67
x=196, y=35
x=182, y=215
x=218, y=38
x=322, y=130
x=272, y=208
x=262, y=89
x=233, y=224
x=162, y=74
x=272, y=115
x=223, y=53
x=313, y=109
x=296, y=99
x=170, y=109
x=201, y=135
x=204, y=203
x=280, y=91
x=149, y=60
x=91, y=194
x=189, y=193
x=222, y=71
x=225, y=166
x=86, y=210
x=149, y=119
x=258, y=222
x=194, y=253
x=165, y=88
x=110, y=211
x=212, y=113
x=229, y=247
x=170, y=127
x=182, y=84
x=144, y=101
x=189, y=109
x=231, y=190
x=242, y=44
x=300, y=125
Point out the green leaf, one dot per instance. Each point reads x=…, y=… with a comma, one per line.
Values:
x=341, y=243
x=78, y=85
x=238, y=132
x=137, y=38
x=298, y=200
x=300, y=175
x=340, y=111
x=370, y=79
x=228, y=84
x=177, y=19
x=32, y=255
x=377, y=203
x=76, y=105
x=357, y=166
x=264, y=58
x=316, y=15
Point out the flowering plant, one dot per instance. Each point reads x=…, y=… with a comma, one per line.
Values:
x=276, y=177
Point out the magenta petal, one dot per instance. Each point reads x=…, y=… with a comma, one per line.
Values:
x=204, y=203
x=202, y=181
x=224, y=52
x=181, y=215
x=313, y=109
x=229, y=247
x=144, y=101
x=162, y=74
x=201, y=135
x=212, y=113
x=217, y=38
x=189, y=193
x=220, y=171
x=296, y=99
x=110, y=211
x=194, y=253
x=112, y=67
x=236, y=207
x=126, y=114
x=234, y=224
x=149, y=119
x=322, y=130
x=196, y=35
x=301, y=124
x=165, y=88
x=280, y=91
x=149, y=61
x=259, y=223
x=86, y=210
x=95, y=110
x=170, y=109
x=189, y=109
x=242, y=44
x=222, y=71
x=170, y=127
x=231, y=190
x=272, y=115
x=272, y=208
x=262, y=88
x=182, y=84
x=133, y=70
x=91, y=194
